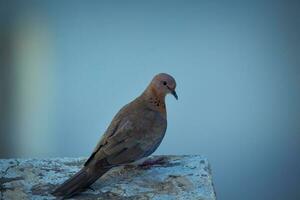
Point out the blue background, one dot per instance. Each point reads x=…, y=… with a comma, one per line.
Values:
x=68, y=66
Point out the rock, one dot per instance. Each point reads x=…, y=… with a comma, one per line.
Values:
x=176, y=177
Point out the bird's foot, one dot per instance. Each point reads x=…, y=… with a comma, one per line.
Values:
x=152, y=161
x=146, y=163
x=120, y=171
x=90, y=188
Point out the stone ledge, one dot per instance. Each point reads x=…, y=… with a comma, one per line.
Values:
x=178, y=177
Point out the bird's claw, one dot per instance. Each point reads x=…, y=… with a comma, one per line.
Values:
x=152, y=161
x=90, y=188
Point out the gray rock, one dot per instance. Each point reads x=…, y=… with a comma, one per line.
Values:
x=176, y=177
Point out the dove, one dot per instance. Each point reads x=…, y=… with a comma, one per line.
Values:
x=135, y=133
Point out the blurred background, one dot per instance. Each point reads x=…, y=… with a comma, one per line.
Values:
x=67, y=67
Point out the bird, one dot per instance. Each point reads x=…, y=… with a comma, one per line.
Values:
x=134, y=133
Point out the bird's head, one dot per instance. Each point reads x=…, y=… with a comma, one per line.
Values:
x=163, y=84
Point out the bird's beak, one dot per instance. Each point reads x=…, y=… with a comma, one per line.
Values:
x=173, y=92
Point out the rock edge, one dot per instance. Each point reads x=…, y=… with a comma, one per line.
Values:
x=177, y=177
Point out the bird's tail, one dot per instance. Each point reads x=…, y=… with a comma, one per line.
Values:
x=79, y=182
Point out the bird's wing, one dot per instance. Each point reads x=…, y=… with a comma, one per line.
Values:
x=111, y=130
x=115, y=143
x=134, y=132
x=117, y=137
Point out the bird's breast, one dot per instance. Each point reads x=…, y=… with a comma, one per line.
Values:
x=152, y=128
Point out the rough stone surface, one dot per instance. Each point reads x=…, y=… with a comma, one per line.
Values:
x=177, y=177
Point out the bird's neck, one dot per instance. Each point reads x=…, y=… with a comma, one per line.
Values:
x=155, y=100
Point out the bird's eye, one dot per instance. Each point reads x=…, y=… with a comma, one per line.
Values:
x=165, y=82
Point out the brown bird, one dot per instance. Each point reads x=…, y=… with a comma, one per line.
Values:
x=134, y=133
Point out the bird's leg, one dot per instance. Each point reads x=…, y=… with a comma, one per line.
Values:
x=152, y=161
x=120, y=170
x=90, y=188
x=147, y=162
